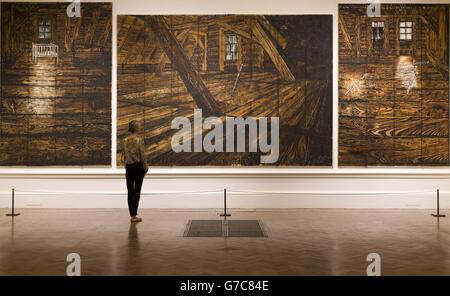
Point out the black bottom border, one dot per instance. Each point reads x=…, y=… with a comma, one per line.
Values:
x=224, y=285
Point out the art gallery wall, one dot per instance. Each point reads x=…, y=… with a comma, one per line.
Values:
x=340, y=187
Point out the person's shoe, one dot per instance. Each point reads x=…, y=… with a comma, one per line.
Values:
x=135, y=219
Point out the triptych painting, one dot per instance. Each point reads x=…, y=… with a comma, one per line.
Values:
x=225, y=90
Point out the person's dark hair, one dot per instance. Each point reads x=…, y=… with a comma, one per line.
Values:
x=132, y=126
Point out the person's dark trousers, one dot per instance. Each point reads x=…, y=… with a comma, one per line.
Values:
x=135, y=175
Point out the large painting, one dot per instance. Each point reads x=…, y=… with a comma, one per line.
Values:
x=271, y=75
x=393, y=85
x=55, y=103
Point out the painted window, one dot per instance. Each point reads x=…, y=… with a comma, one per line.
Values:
x=377, y=31
x=406, y=30
x=231, y=50
x=45, y=29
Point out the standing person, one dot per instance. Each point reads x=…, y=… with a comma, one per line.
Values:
x=136, y=167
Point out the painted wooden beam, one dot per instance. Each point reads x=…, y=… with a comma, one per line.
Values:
x=123, y=41
x=439, y=66
x=238, y=31
x=105, y=37
x=358, y=36
x=397, y=40
x=369, y=40
x=205, y=23
x=273, y=31
x=72, y=27
x=131, y=53
x=164, y=59
x=147, y=49
x=271, y=49
x=344, y=32
x=191, y=78
x=430, y=23
x=90, y=33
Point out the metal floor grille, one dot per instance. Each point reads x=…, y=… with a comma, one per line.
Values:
x=204, y=228
x=224, y=228
x=245, y=228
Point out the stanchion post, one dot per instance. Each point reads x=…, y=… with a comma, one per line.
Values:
x=225, y=215
x=437, y=215
x=13, y=214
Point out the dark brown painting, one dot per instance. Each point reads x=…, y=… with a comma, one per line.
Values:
x=394, y=85
x=55, y=85
x=228, y=66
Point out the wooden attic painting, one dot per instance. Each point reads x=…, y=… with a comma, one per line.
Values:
x=227, y=65
x=55, y=85
x=394, y=86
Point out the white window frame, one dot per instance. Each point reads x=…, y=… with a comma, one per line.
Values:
x=406, y=30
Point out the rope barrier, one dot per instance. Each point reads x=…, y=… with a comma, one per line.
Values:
x=114, y=193
x=235, y=192
x=243, y=192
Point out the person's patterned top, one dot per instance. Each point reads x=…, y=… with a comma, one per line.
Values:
x=134, y=150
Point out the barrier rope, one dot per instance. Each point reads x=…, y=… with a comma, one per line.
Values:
x=234, y=192
x=115, y=193
x=244, y=192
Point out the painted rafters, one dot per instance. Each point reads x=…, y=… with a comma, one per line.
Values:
x=268, y=37
x=263, y=33
x=260, y=31
x=106, y=33
x=276, y=35
x=428, y=21
x=135, y=28
x=132, y=30
x=93, y=38
x=122, y=40
x=263, y=21
x=226, y=22
x=270, y=47
x=73, y=26
x=347, y=39
x=240, y=32
x=90, y=32
x=181, y=37
x=191, y=78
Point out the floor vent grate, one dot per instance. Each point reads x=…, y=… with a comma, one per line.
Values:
x=224, y=228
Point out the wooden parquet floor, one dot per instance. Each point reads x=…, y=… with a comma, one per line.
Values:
x=299, y=242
